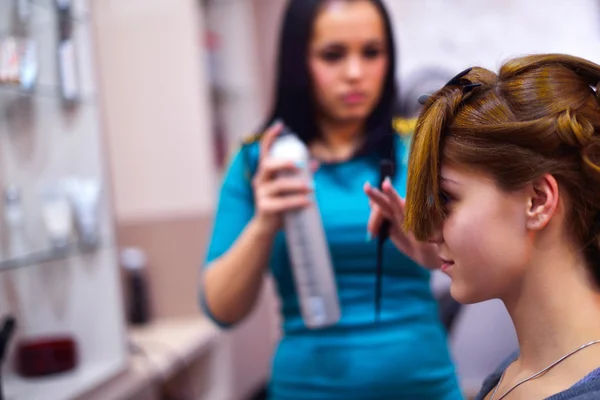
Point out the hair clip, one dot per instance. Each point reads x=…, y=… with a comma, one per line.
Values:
x=468, y=88
x=423, y=98
x=454, y=81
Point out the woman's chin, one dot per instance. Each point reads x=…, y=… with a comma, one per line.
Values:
x=465, y=294
x=349, y=115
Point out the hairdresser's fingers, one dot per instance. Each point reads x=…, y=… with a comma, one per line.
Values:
x=398, y=236
x=383, y=210
x=314, y=165
x=396, y=202
x=270, y=167
x=287, y=203
x=285, y=185
x=376, y=218
x=269, y=138
x=402, y=241
x=380, y=199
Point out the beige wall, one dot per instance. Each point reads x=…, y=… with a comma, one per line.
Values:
x=268, y=15
x=238, y=74
x=156, y=108
x=158, y=122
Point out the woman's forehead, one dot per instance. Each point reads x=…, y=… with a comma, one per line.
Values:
x=455, y=174
x=343, y=21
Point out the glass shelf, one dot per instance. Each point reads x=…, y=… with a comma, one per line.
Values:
x=43, y=91
x=47, y=255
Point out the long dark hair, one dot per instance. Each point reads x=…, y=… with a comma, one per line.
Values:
x=294, y=103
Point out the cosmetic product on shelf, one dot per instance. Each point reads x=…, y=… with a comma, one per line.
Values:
x=58, y=218
x=18, y=62
x=28, y=64
x=14, y=219
x=67, y=57
x=133, y=261
x=84, y=195
x=44, y=356
x=9, y=60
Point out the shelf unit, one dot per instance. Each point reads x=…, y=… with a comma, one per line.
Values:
x=44, y=139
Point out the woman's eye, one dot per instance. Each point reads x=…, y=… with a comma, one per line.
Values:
x=372, y=53
x=332, y=56
x=445, y=198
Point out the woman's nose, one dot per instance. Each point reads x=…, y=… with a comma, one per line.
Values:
x=354, y=68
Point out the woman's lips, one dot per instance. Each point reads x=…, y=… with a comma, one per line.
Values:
x=446, y=264
x=354, y=98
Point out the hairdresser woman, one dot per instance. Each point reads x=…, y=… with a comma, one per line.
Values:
x=336, y=90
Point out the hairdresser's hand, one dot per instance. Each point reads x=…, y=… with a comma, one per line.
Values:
x=387, y=204
x=276, y=188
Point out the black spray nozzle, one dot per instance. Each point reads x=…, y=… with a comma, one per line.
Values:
x=285, y=130
x=386, y=170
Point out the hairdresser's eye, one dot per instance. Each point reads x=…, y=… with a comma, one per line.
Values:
x=372, y=53
x=333, y=55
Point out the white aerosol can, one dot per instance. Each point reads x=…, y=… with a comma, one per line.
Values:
x=307, y=245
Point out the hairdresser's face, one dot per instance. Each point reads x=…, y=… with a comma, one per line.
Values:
x=484, y=236
x=348, y=60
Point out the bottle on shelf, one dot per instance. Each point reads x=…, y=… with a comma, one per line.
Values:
x=14, y=219
x=134, y=262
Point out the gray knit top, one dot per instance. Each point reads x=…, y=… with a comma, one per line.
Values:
x=586, y=389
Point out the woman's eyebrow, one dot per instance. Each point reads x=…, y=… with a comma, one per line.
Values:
x=448, y=180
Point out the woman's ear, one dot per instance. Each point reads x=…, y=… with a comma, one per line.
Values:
x=542, y=202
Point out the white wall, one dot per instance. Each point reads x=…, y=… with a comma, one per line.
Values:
x=461, y=33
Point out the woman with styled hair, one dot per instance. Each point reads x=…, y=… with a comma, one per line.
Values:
x=504, y=179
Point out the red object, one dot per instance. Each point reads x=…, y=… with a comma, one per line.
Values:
x=46, y=356
x=212, y=41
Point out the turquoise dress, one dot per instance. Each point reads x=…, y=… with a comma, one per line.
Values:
x=404, y=355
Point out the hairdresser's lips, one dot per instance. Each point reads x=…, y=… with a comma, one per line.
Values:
x=447, y=265
x=354, y=98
